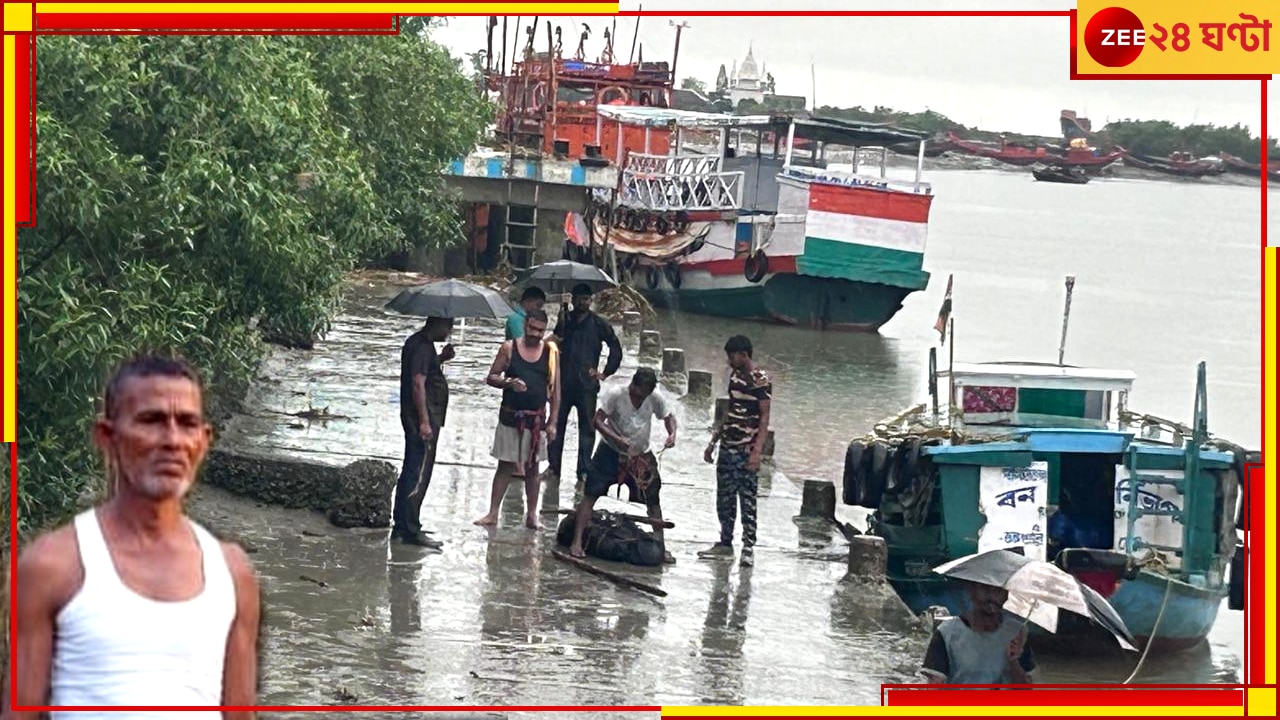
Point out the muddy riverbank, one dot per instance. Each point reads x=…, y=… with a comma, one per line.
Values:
x=493, y=619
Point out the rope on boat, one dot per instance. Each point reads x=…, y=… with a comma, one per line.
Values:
x=1168, y=586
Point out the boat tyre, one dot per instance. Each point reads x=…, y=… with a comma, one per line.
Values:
x=672, y=271
x=874, y=467
x=854, y=478
x=756, y=267
x=651, y=278
x=611, y=93
x=905, y=464
x=682, y=222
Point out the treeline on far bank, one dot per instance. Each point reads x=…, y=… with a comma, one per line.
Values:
x=197, y=193
x=1145, y=137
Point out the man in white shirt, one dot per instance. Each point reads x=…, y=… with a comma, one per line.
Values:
x=622, y=456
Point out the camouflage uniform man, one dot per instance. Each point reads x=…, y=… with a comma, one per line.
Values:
x=741, y=437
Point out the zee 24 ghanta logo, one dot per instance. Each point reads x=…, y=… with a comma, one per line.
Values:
x=1115, y=37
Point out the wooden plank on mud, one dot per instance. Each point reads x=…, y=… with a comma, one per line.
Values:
x=607, y=574
x=636, y=518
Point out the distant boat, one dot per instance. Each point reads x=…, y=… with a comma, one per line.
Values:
x=1234, y=164
x=1180, y=164
x=1006, y=153
x=1058, y=174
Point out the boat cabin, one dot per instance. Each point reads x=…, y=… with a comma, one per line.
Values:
x=748, y=156
x=1044, y=462
x=548, y=105
x=1002, y=395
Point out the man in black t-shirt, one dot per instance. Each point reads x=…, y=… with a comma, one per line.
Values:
x=424, y=398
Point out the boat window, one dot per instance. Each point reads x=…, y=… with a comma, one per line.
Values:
x=1088, y=404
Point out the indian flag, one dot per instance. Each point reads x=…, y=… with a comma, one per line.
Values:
x=866, y=234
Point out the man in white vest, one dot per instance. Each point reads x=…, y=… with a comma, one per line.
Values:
x=984, y=645
x=133, y=603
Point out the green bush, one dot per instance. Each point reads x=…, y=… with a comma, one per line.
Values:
x=194, y=191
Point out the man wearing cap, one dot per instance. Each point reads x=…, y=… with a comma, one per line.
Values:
x=582, y=335
x=532, y=299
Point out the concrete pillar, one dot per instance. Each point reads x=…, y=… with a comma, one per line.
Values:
x=700, y=382
x=650, y=344
x=819, y=500
x=722, y=408
x=673, y=361
x=868, y=557
x=632, y=322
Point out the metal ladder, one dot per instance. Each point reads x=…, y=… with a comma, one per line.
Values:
x=1191, y=470
x=528, y=232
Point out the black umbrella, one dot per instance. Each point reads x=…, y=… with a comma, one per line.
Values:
x=1037, y=590
x=562, y=276
x=451, y=299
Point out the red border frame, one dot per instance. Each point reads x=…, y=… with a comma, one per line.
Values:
x=377, y=24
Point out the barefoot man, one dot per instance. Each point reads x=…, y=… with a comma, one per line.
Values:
x=526, y=370
x=623, y=455
x=133, y=603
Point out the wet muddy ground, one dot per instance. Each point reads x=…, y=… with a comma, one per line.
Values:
x=494, y=619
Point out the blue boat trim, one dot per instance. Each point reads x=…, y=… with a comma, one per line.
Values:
x=1070, y=440
x=975, y=448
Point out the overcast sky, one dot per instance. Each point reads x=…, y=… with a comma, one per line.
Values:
x=998, y=73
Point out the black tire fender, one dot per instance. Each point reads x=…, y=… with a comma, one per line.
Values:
x=672, y=271
x=875, y=465
x=756, y=267
x=651, y=277
x=905, y=465
x=853, y=476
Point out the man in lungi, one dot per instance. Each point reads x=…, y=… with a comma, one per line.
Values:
x=622, y=456
x=527, y=371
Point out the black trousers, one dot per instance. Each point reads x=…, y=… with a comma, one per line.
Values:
x=419, y=462
x=584, y=401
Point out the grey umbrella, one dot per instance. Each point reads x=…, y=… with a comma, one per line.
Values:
x=562, y=276
x=1037, y=590
x=451, y=299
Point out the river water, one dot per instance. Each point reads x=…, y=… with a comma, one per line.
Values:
x=1167, y=274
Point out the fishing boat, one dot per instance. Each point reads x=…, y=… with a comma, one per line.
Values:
x=1181, y=164
x=1240, y=166
x=1007, y=153
x=1048, y=460
x=760, y=226
x=1059, y=174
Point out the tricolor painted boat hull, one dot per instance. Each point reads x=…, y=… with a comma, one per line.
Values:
x=786, y=298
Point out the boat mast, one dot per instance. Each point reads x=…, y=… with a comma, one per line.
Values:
x=919, y=163
x=1066, y=315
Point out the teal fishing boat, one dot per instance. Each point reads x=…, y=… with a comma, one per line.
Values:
x=1048, y=459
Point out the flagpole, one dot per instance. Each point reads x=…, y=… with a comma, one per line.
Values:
x=951, y=368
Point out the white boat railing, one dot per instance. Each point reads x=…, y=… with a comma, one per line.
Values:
x=679, y=182
x=851, y=179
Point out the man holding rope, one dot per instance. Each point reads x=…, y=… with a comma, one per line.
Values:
x=622, y=456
